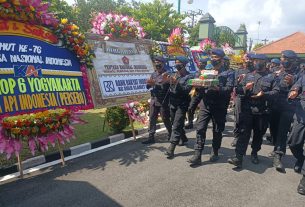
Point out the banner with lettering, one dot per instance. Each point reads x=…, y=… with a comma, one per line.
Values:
x=36, y=74
x=121, y=71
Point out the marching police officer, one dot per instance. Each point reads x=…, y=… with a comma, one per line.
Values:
x=275, y=65
x=283, y=109
x=179, y=102
x=239, y=76
x=258, y=88
x=297, y=135
x=195, y=100
x=214, y=106
x=159, y=100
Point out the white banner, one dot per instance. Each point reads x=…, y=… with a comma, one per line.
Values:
x=123, y=85
x=122, y=68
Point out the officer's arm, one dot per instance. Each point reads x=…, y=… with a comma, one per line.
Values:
x=147, y=85
x=275, y=89
x=228, y=88
x=298, y=85
x=241, y=87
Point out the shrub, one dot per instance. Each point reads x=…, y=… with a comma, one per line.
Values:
x=117, y=118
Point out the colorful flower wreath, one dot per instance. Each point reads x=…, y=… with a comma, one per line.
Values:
x=36, y=12
x=37, y=130
x=137, y=111
x=176, y=38
x=207, y=44
x=116, y=26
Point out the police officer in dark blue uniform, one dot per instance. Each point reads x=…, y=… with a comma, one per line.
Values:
x=159, y=102
x=283, y=109
x=214, y=107
x=257, y=89
x=297, y=135
x=179, y=102
x=239, y=76
x=275, y=65
x=195, y=100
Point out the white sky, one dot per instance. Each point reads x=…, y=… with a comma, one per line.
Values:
x=278, y=18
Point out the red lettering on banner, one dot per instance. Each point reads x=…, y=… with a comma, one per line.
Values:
x=39, y=32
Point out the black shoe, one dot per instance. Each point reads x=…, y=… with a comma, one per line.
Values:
x=233, y=144
x=298, y=166
x=149, y=141
x=195, y=160
x=237, y=161
x=189, y=126
x=183, y=141
x=301, y=186
x=214, y=155
x=170, y=151
x=277, y=163
x=254, y=158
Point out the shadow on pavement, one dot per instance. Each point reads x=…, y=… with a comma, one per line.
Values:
x=53, y=193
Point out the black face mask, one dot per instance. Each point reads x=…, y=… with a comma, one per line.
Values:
x=179, y=67
x=159, y=66
x=215, y=62
x=286, y=64
x=250, y=66
x=260, y=66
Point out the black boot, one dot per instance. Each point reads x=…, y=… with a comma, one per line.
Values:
x=237, y=161
x=277, y=163
x=301, y=186
x=254, y=158
x=298, y=166
x=170, y=151
x=196, y=159
x=150, y=140
x=214, y=155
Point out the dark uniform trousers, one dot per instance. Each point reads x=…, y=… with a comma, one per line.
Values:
x=155, y=110
x=237, y=111
x=256, y=122
x=177, y=114
x=218, y=117
x=296, y=140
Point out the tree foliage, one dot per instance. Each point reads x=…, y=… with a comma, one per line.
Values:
x=258, y=45
x=62, y=9
x=194, y=34
x=158, y=19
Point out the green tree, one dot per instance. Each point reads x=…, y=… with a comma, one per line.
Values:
x=62, y=9
x=258, y=45
x=194, y=35
x=158, y=19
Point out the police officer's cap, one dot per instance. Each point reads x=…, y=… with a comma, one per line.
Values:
x=183, y=59
x=259, y=56
x=289, y=54
x=219, y=52
x=160, y=59
x=276, y=61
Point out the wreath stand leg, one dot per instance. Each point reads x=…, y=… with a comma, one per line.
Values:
x=61, y=154
x=20, y=166
x=132, y=128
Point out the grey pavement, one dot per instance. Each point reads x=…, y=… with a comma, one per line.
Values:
x=132, y=174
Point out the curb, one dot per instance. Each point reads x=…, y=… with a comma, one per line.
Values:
x=72, y=151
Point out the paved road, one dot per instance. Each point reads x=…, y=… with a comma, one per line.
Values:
x=135, y=175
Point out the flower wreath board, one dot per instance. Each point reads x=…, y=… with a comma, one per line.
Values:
x=43, y=78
